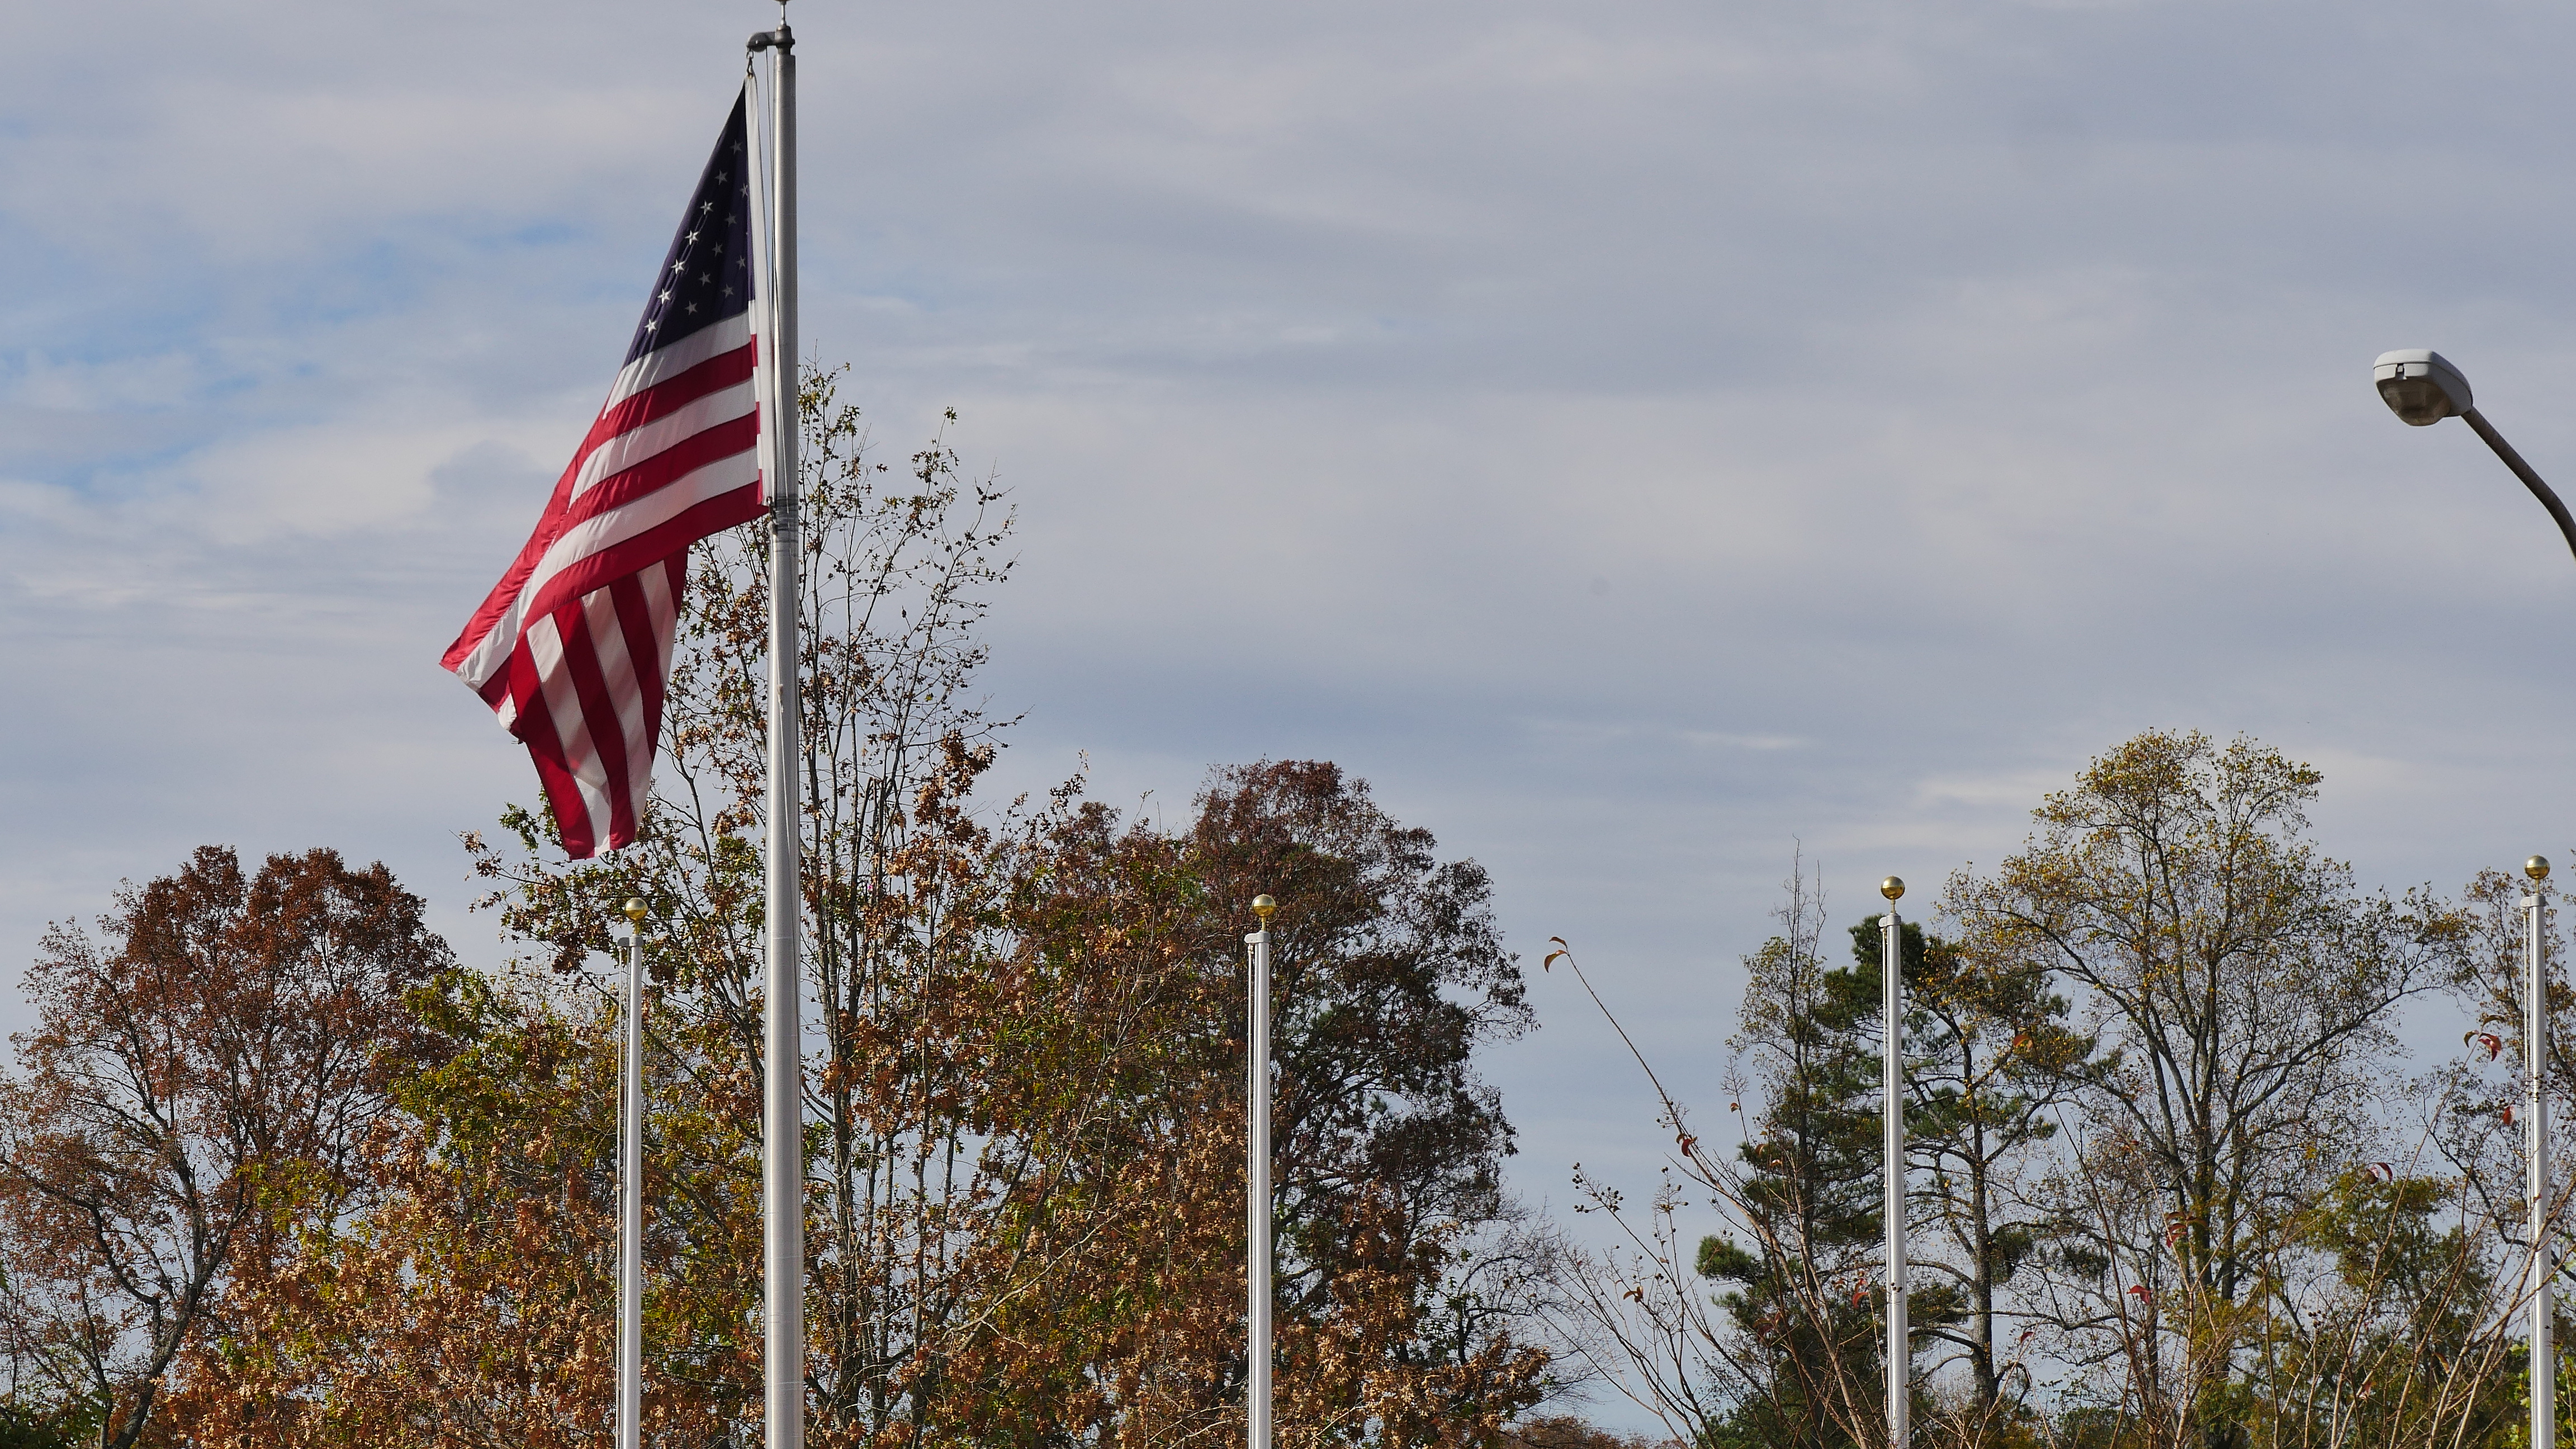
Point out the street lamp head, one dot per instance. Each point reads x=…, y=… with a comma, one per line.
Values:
x=2420, y=386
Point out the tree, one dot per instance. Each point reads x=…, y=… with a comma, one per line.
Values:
x=1024, y=1112
x=210, y=1068
x=1987, y=1054
x=1117, y=1133
x=1088, y=1076
x=904, y=893
x=2246, y=982
x=2394, y=1340
x=1787, y=1353
x=2206, y=1242
x=1564, y=1431
x=462, y=1305
x=1390, y=974
x=1812, y=1187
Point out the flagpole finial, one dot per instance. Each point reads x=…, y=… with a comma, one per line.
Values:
x=635, y=911
x=1891, y=888
x=2537, y=867
x=1262, y=906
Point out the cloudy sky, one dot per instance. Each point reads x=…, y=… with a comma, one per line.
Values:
x=1638, y=436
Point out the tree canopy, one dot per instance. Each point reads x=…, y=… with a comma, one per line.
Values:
x=2171, y=1179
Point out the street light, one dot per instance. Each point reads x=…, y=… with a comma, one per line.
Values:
x=2422, y=388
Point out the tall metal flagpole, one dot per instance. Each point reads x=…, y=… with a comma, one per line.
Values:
x=1256, y=1193
x=630, y=1196
x=2535, y=1114
x=1900, y=1355
x=782, y=1115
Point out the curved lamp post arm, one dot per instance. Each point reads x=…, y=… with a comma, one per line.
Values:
x=2522, y=470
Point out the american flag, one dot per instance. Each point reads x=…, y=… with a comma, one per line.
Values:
x=573, y=647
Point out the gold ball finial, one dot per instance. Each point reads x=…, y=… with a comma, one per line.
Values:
x=1891, y=887
x=635, y=910
x=1262, y=906
x=2537, y=867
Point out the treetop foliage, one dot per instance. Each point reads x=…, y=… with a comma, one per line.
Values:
x=2169, y=1179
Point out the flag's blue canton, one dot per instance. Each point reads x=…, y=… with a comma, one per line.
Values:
x=707, y=276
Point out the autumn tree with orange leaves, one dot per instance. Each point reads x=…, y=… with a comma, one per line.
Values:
x=1091, y=1288
x=202, y=1078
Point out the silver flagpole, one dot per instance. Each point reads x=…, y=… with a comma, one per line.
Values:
x=2535, y=1112
x=1256, y=1195
x=782, y=1116
x=1900, y=1357
x=630, y=1195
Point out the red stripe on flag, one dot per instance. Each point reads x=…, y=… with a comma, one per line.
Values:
x=599, y=713
x=731, y=438
x=737, y=505
x=729, y=369
x=643, y=652
x=728, y=439
x=563, y=797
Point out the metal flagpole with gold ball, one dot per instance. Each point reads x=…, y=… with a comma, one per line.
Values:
x=1900, y=1358
x=1256, y=1192
x=2535, y=1126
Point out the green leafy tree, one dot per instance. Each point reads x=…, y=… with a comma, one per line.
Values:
x=2395, y=1343
x=1987, y=1054
x=2247, y=984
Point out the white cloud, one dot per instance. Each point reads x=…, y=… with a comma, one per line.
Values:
x=336, y=478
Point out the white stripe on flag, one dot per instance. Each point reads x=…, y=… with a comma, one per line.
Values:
x=638, y=445
x=594, y=535
x=664, y=363
x=605, y=531
x=616, y=670
x=664, y=605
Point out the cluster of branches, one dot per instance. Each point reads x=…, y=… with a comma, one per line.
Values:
x=2171, y=1180
x=276, y=1171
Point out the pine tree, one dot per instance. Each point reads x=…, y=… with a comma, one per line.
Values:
x=1802, y=1289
